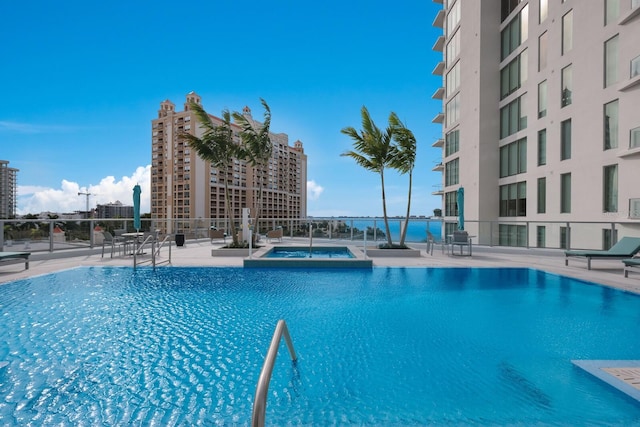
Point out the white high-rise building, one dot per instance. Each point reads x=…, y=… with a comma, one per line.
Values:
x=541, y=119
x=8, y=190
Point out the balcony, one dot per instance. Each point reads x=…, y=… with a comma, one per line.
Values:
x=438, y=94
x=439, y=21
x=438, y=191
x=438, y=168
x=439, y=44
x=439, y=118
x=439, y=143
x=439, y=70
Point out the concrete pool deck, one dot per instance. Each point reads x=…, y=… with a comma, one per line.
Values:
x=198, y=253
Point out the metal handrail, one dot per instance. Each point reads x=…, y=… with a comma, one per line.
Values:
x=260, y=399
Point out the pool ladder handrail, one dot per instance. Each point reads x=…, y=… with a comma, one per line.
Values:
x=260, y=399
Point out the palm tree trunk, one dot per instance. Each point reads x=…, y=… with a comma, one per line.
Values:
x=384, y=211
x=232, y=225
x=406, y=220
x=258, y=209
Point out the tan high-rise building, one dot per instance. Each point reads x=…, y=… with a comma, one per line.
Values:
x=541, y=119
x=8, y=190
x=184, y=187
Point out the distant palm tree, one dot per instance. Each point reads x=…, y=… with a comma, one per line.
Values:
x=373, y=150
x=403, y=160
x=257, y=149
x=217, y=147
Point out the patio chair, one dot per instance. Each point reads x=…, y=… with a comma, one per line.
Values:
x=461, y=239
x=217, y=234
x=629, y=264
x=627, y=247
x=110, y=240
x=431, y=242
x=274, y=234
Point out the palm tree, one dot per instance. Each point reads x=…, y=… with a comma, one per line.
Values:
x=257, y=149
x=373, y=151
x=403, y=160
x=217, y=147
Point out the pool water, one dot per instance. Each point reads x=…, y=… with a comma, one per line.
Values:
x=302, y=252
x=386, y=346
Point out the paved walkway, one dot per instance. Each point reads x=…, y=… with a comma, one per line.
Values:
x=198, y=253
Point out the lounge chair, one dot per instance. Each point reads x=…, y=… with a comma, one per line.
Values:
x=7, y=256
x=629, y=264
x=274, y=234
x=627, y=247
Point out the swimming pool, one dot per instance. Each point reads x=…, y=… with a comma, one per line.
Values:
x=391, y=346
x=323, y=252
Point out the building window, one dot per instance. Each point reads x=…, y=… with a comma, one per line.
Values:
x=453, y=110
x=452, y=143
x=565, y=193
x=542, y=51
x=611, y=61
x=564, y=237
x=542, y=147
x=611, y=125
x=515, y=33
x=453, y=79
x=513, y=75
x=508, y=6
x=634, y=138
x=451, y=173
x=513, y=199
x=453, y=18
x=541, y=236
x=512, y=235
x=453, y=48
x=544, y=10
x=451, y=203
x=565, y=140
x=610, y=188
x=542, y=99
x=635, y=66
x=567, y=32
x=611, y=11
x=513, y=158
x=512, y=118
x=567, y=86
x=635, y=3
x=542, y=195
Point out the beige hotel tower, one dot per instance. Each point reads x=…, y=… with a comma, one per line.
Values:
x=184, y=187
x=541, y=120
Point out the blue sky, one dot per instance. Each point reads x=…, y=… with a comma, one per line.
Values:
x=81, y=82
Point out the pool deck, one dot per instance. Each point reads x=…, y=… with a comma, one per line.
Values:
x=198, y=253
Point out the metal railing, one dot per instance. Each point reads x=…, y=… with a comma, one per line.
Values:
x=260, y=399
x=49, y=235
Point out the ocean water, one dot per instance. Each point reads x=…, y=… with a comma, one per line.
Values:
x=386, y=346
x=416, y=230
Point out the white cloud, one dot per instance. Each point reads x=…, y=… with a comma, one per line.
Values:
x=31, y=128
x=66, y=199
x=314, y=190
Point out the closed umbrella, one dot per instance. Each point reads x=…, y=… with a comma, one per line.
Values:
x=136, y=207
x=460, y=208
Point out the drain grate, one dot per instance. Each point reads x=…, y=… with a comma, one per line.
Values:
x=630, y=376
